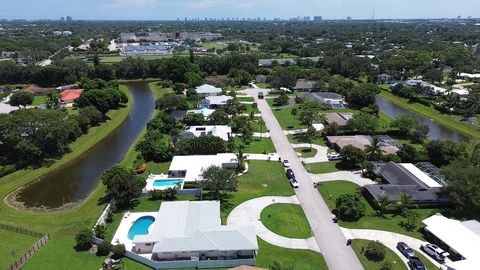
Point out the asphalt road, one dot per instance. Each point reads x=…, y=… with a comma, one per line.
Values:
x=328, y=235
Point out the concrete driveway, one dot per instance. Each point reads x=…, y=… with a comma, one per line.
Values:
x=350, y=176
x=249, y=213
x=328, y=235
x=320, y=156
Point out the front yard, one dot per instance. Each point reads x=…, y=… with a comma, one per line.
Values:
x=286, y=220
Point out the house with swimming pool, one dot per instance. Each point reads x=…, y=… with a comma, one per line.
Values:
x=188, y=169
x=186, y=234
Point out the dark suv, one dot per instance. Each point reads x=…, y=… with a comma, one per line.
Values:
x=289, y=174
x=406, y=250
x=416, y=264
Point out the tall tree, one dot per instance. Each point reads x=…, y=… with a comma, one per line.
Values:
x=218, y=181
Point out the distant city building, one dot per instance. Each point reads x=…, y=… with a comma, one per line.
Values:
x=69, y=18
x=62, y=19
x=349, y=18
x=306, y=18
x=317, y=18
x=163, y=37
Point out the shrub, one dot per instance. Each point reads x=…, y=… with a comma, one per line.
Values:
x=109, y=218
x=118, y=251
x=156, y=194
x=83, y=239
x=104, y=248
x=99, y=231
x=375, y=251
x=349, y=207
x=386, y=266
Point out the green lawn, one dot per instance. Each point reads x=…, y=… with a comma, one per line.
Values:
x=245, y=99
x=390, y=222
x=210, y=45
x=302, y=138
x=257, y=145
x=38, y=100
x=390, y=256
x=297, y=259
x=118, y=58
x=264, y=178
x=284, y=116
x=323, y=167
x=258, y=126
x=306, y=151
x=431, y=113
x=286, y=220
x=158, y=90
x=16, y=245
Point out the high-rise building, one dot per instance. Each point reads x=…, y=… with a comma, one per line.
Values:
x=62, y=19
x=349, y=18
x=69, y=18
x=306, y=18
x=317, y=18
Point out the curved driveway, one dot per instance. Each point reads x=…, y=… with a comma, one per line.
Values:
x=328, y=235
x=249, y=213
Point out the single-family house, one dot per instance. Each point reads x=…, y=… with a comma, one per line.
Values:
x=206, y=112
x=361, y=142
x=36, y=90
x=470, y=77
x=69, y=96
x=223, y=132
x=459, y=238
x=260, y=78
x=276, y=62
x=207, y=90
x=423, y=182
x=334, y=100
x=189, y=234
x=341, y=119
x=214, y=102
x=190, y=167
x=304, y=85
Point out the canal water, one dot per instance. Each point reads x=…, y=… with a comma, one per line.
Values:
x=74, y=181
x=437, y=131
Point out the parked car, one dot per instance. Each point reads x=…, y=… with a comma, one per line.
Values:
x=286, y=164
x=416, y=264
x=406, y=250
x=334, y=156
x=289, y=174
x=435, y=252
x=294, y=183
x=261, y=95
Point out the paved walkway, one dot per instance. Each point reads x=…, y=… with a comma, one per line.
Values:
x=320, y=156
x=389, y=239
x=271, y=156
x=328, y=235
x=350, y=176
x=249, y=213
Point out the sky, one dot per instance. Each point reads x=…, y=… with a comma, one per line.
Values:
x=173, y=9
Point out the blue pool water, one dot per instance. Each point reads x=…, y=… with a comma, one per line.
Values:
x=337, y=106
x=167, y=183
x=140, y=226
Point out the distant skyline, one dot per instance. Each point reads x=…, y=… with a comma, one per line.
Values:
x=173, y=9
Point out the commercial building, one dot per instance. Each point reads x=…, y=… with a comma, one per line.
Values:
x=422, y=182
x=460, y=238
x=187, y=234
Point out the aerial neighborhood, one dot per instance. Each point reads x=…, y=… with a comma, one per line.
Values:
x=239, y=143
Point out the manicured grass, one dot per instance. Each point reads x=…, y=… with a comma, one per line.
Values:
x=390, y=256
x=258, y=126
x=442, y=119
x=284, y=116
x=323, y=167
x=286, y=220
x=302, y=138
x=62, y=225
x=158, y=90
x=264, y=178
x=13, y=245
x=245, y=99
x=38, y=100
x=297, y=259
x=263, y=85
x=306, y=152
x=118, y=58
x=257, y=145
x=389, y=222
x=210, y=45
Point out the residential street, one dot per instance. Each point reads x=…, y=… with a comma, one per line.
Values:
x=328, y=235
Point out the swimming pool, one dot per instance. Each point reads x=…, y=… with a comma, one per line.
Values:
x=167, y=182
x=140, y=226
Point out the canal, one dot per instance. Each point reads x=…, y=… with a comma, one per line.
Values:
x=74, y=181
x=436, y=132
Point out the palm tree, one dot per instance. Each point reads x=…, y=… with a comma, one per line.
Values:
x=294, y=113
x=241, y=159
x=374, y=150
x=311, y=133
x=404, y=202
x=52, y=100
x=382, y=202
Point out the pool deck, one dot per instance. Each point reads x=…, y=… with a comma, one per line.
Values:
x=121, y=235
x=153, y=177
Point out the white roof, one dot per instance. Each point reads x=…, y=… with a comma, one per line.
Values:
x=194, y=165
x=427, y=180
x=471, y=76
x=205, y=111
x=196, y=226
x=217, y=131
x=218, y=100
x=456, y=235
x=470, y=264
x=461, y=91
x=208, y=89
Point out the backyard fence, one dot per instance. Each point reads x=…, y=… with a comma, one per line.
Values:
x=20, y=262
x=20, y=230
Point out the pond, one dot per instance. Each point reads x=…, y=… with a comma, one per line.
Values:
x=76, y=180
x=436, y=132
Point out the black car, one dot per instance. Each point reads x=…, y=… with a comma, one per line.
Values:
x=406, y=250
x=416, y=264
x=289, y=174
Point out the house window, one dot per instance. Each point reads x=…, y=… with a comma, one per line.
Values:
x=148, y=244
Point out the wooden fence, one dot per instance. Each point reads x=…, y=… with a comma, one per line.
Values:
x=20, y=230
x=20, y=262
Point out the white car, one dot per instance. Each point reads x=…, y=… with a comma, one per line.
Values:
x=294, y=183
x=435, y=252
x=286, y=164
x=334, y=156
